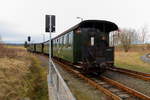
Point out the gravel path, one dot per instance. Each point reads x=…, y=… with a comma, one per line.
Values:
x=83, y=91
x=137, y=84
x=80, y=89
x=146, y=58
x=44, y=60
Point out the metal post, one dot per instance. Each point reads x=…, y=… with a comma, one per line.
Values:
x=50, y=69
x=43, y=37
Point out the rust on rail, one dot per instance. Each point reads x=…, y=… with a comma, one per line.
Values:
x=131, y=73
x=91, y=82
x=125, y=88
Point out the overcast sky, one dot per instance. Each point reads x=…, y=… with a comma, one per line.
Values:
x=21, y=18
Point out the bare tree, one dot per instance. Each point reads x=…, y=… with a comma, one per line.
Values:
x=127, y=37
x=0, y=39
x=114, y=38
x=143, y=33
x=0, y=42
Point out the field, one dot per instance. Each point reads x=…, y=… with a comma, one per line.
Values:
x=21, y=75
x=131, y=60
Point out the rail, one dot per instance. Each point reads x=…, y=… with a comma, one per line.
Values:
x=58, y=89
x=125, y=88
x=140, y=75
x=105, y=85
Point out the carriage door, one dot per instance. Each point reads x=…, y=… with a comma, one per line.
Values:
x=91, y=45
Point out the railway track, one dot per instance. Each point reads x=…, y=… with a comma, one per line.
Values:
x=112, y=88
x=140, y=75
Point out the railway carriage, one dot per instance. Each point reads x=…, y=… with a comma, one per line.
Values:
x=39, y=47
x=86, y=45
x=31, y=47
x=63, y=46
x=46, y=47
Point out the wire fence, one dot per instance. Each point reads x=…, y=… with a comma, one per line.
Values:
x=58, y=89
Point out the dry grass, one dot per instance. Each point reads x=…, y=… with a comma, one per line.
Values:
x=13, y=70
x=16, y=47
x=11, y=51
x=12, y=73
x=137, y=48
x=38, y=78
x=17, y=75
x=131, y=60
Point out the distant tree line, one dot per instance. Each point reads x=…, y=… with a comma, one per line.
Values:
x=127, y=37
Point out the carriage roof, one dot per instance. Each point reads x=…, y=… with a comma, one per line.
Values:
x=103, y=25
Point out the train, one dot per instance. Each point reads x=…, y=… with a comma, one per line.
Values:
x=86, y=46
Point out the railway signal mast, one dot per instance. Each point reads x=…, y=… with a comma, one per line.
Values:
x=50, y=27
x=29, y=39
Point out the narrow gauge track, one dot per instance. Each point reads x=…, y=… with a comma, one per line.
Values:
x=140, y=75
x=114, y=89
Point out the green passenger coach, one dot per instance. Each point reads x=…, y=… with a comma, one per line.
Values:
x=87, y=45
x=86, y=42
x=63, y=46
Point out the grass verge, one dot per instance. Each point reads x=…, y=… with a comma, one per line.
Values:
x=38, y=78
x=21, y=75
x=132, y=61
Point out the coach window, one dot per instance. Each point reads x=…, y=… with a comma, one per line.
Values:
x=71, y=37
x=69, y=42
x=113, y=38
x=55, y=43
x=59, y=41
x=62, y=40
x=65, y=39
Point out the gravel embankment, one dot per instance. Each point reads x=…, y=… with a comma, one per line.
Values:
x=137, y=84
x=83, y=91
x=80, y=89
